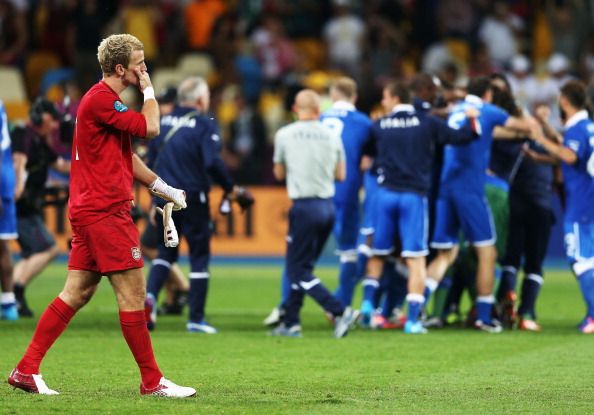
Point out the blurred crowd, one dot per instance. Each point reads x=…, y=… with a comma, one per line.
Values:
x=262, y=51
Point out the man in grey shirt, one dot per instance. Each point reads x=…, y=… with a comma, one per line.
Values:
x=310, y=157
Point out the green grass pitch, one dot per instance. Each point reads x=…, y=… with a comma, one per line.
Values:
x=243, y=371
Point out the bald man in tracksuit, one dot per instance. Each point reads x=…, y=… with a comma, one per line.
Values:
x=310, y=157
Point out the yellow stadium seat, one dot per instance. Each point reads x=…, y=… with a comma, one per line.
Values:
x=166, y=77
x=37, y=64
x=311, y=52
x=17, y=111
x=195, y=64
x=12, y=87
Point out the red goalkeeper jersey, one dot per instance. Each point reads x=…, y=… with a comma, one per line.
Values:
x=101, y=168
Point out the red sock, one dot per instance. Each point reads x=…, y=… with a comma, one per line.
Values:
x=52, y=323
x=139, y=341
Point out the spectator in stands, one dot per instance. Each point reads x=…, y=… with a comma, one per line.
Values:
x=89, y=21
x=569, y=27
x=344, y=34
x=499, y=31
x=524, y=85
x=54, y=25
x=13, y=34
x=200, y=17
x=32, y=157
x=140, y=19
x=547, y=93
x=274, y=50
x=247, y=144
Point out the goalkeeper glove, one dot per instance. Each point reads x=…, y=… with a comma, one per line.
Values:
x=168, y=193
x=170, y=233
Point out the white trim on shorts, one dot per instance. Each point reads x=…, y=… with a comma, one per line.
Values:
x=377, y=252
x=414, y=254
x=488, y=242
x=8, y=236
x=367, y=231
x=443, y=245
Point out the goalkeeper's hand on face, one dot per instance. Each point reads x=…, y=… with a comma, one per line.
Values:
x=168, y=193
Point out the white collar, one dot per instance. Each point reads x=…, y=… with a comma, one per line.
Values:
x=403, y=108
x=343, y=105
x=575, y=118
x=473, y=99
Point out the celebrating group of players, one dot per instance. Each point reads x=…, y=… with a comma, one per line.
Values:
x=447, y=177
x=412, y=195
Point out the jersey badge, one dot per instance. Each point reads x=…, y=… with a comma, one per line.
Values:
x=136, y=254
x=119, y=106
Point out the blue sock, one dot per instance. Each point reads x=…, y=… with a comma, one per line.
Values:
x=285, y=286
x=157, y=277
x=370, y=286
x=415, y=304
x=586, y=281
x=484, y=307
x=347, y=279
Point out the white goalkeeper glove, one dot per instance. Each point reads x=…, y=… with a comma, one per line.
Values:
x=168, y=193
x=170, y=233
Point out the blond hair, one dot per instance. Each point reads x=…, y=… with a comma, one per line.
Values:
x=117, y=49
x=345, y=87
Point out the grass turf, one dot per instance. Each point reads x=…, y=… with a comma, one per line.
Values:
x=242, y=370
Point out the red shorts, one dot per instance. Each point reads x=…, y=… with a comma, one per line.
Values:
x=111, y=244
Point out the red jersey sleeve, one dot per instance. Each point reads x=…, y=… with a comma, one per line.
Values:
x=111, y=112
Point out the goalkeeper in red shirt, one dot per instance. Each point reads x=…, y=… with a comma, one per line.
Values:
x=105, y=241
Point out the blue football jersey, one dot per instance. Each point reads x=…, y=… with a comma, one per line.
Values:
x=464, y=166
x=405, y=143
x=353, y=127
x=578, y=178
x=8, y=180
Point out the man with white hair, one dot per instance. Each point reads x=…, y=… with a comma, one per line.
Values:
x=187, y=153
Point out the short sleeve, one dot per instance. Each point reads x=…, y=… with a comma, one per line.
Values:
x=578, y=143
x=497, y=115
x=340, y=153
x=110, y=111
x=279, y=150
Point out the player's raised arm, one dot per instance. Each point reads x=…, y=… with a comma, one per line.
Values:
x=150, y=108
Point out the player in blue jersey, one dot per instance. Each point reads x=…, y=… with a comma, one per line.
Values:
x=461, y=202
x=405, y=143
x=353, y=127
x=8, y=220
x=576, y=154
